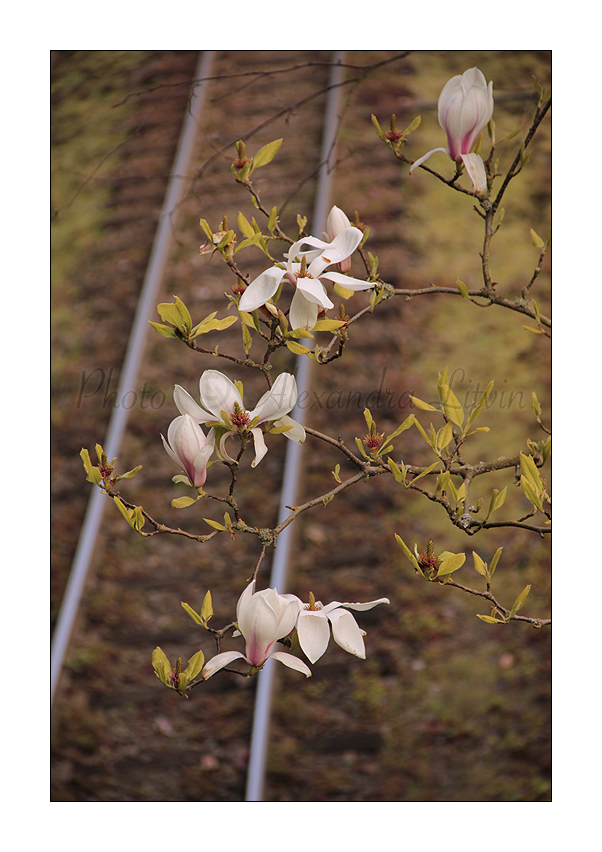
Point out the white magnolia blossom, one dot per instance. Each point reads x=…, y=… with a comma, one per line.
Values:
x=315, y=620
x=338, y=221
x=221, y=403
x=263, y=618
x=188, y=446
x=310, y=295
x=465, y=108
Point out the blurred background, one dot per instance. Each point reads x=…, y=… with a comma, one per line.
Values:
x=445, y=707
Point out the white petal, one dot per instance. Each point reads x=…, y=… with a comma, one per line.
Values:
x=222, y=448
x=346, y=633
x=292, y=662
x=218, y=662
x=314, y=291
x=279, y=400
x=260, y=447
x=476, y=172
x=313, y=630
x=218, y=393
x=244, y=599
x=295, y=433
x=343, y=246
x=357, y=606
x=348, y=282
x=425, y=158
x=263, y=288
x=303, y=313
x=186, y=405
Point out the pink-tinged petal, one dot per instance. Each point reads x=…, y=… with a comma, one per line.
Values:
x=314, y=291
x=186, y=405
x=476, y=172
x=346, y=633
x=279, y=400
x=260, y=446
x=292, y=662
x=313, y=630
x=426, y=156
x=244, y=599
x=303, y=313
x=218, y=662
x=218, y=393
x=347, y=281
x=263, y=288
x=171, y=453
x=296, y=431
x=337, y=221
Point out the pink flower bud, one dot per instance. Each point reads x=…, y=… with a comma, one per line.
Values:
x=189, y=448
x=465, y=107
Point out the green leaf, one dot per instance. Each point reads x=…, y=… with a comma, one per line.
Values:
x=129, y=474
x=164, y=330
x=529, y=471
x=194, y=615
x=245, y=226
x=408, y=553
x=210, y=324
x=328, y=325
x=127, y=513
x=195, y=664
x=266, y=154
x=208, y=232
x=520, y=601
x=298, y=349
x=399, y=475
x=207, y=608
x=495, y=560
x=85, y=457
x=497, y=500
x=451, y=406
x=462, y=288
x=273, y=220
x=536, y=239
x=479, y=565
x=444, y=436
x=451, y=563
x=474, y=412
x=214, y=524
x=530, y=493
x=247, y=340
x=378, y=128
x=183, y=502
x=490, y=620
x=419, y=403
x=336, y=473
x=428, y=470
x=162, y=667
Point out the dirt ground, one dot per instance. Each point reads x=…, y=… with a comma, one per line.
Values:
x=445, y=707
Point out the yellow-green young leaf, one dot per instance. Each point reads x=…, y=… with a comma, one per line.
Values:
x=99, y=452
x=479, y=565
x=407, y=423
x=162, y=667
x=408, y=553
x=490, y=620
x=529, y=470
x=536, y=239
x=266, y=154
x=398, y=474
x=195, y=664
x=418, y=425
x=245, y=227
x=520, y=600
x=214, y=524
x=127, y=513
x=461, y=493
x=207, y=608
x=273, y=220
x=429, y=469
x=534, y=330
x=183, y=502
x=336, y=473
x=129, y=473
x=419, y=403
x=368, y=417
x=531, y=494
x=444, y=436
x=298, y=349
x=247, y=340
x=255, y=240
x=495, y=560
x=169, y=312
x=342, y=292
x=360, y=447
x=414, y=125
x=378, y=129
x=462, y=288
x=85, y=457
x=138, y=519
x=210, y=324
x=300, y=333
x=535, y=405
x=474, y=413
x=546, y=449
x=164, y=330
x=328, y=325
x=451, y=406
x=207, y=230
x=451, y=564
x=194, y=615
x=497, y=500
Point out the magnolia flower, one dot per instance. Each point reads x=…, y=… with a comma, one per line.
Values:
x=188, y=446
x=465, y=108
x=337, y=221
x=222, y=403
x=314, y=621
x=310, y=294
x=262, y=618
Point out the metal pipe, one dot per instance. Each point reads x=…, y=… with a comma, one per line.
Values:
x=263, y=696
x=135, y=349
